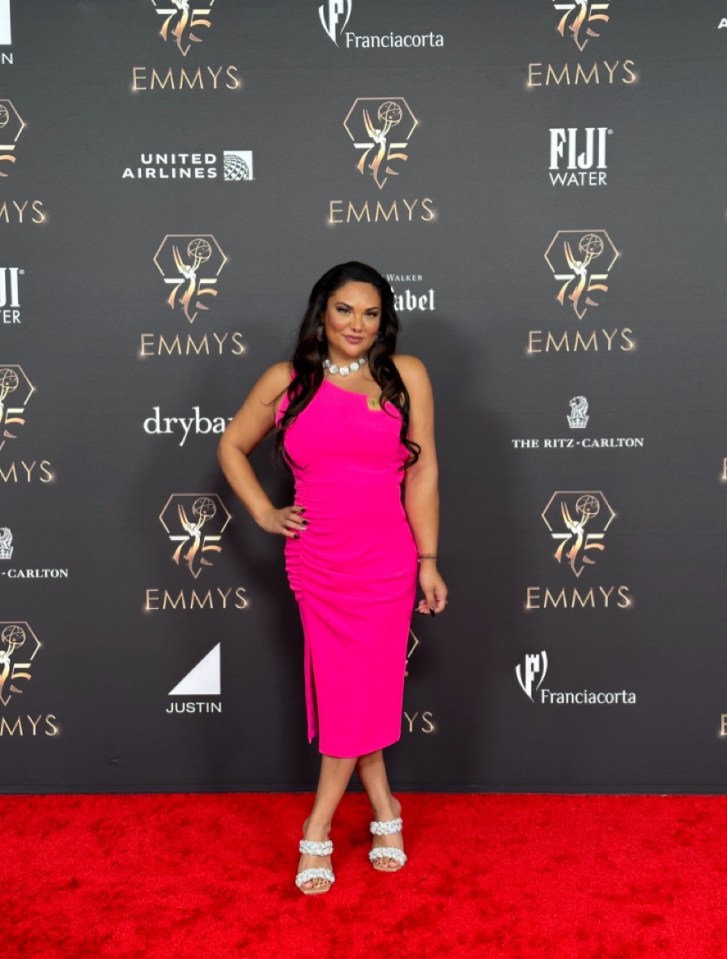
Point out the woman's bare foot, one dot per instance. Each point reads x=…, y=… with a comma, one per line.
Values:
x=317, y=834
x=385, y=813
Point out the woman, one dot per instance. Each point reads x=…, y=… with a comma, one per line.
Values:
x=354, y=422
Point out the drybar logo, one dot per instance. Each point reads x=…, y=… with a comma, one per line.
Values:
x=190, y=265
x=578, y=418
x=204, y=679
x=578, y=156
x=194, y=524
x=380, y=129
x=335, y=15
x=578, y=521
x=531, y=675
x=11, y=126
x=230, y=166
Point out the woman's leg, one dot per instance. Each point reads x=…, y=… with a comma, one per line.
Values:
x=334, y=777
x=372, y=773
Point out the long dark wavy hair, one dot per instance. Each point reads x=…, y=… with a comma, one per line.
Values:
x=309, y=353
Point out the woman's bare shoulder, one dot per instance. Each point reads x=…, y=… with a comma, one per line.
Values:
x=275, y=377
x=410, y=368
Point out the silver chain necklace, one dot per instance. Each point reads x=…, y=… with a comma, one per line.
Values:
x=353, y=367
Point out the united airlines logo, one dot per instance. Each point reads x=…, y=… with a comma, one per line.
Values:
x=380, y=129
x=581, y=262
x=581, y=21
x=531, y=673
x=195, y=523
x=335, y=15
x=183, y=23
x=578, y=521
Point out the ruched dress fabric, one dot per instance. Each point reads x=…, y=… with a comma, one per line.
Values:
x=353, y=571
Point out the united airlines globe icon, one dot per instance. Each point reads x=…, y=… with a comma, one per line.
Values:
x=235, y=168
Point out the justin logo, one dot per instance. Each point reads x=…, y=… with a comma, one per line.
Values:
x=371, y=124
x=16, y=386
x=195, y=523
x=179, y=259
x=571, y=257
x=11, y=126
x=567, y=515
x=15, y=668
x=580, y=21
x=183, y=22
x=335, y=15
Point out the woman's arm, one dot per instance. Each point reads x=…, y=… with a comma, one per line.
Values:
x=250, y=425
x=421, y=483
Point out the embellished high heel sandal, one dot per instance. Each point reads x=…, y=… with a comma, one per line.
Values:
x=378, y=853
x=310, y=847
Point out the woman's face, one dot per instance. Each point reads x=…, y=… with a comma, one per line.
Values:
x=351, y=320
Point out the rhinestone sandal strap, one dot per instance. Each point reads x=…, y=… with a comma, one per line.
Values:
x=386, y=828
x=309, y=874
x=388, y=852
x=312, y=848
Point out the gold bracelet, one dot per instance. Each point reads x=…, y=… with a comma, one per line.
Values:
x=422, y=556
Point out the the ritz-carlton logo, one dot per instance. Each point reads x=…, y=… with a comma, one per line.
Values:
x=194, y=523
x=581, y=21
x=567, y=515
x=191, y=264
x=11, y=126
x=380, y=129
x=184, y=22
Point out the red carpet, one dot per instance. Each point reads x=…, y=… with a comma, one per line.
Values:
x=211, y=876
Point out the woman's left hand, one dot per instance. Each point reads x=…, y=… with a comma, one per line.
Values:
x=433, y=587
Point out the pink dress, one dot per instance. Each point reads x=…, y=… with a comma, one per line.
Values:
x=353, y=571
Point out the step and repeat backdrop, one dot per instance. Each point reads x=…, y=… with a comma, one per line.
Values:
x=544, y=185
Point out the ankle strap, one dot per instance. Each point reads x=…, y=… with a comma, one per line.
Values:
x=386, y=828
x=312, y=848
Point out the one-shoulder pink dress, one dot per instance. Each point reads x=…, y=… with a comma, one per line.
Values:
x=353, y=571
